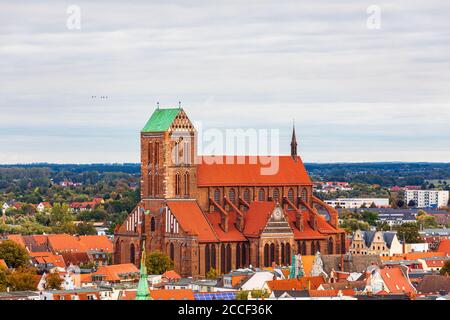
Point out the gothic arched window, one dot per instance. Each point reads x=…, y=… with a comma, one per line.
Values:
x=213, y=256
x=177, y=184
x=222, y=258
x=313, y=248
x=247, y=195
x=172, y=252
x=186, y=184
x=266, y=255
x=288, y=253
x=238, y=255
x=330, y=245
x=207, y=259
x=152, y=224
x=232, y=195
x=217, y=195
x=261, y=195
x=291, y=195
x=304, y=194
x=276, y=195
x=132, y=254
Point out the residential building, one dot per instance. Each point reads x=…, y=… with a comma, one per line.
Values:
x=380, y=243
x=427, y=198
x=355, y=203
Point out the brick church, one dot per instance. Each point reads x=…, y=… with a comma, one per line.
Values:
x=221, y=212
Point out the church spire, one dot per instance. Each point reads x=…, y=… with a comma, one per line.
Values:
x=293, y=142
x=142, y=292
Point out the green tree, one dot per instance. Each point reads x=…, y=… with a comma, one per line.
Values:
x=60, y=215
x=22, y=279
x=158, y=263
x=369, y=217
x=85, y=228
x=242, y=295
x=409, y=232
x=212, y=274
x=14, y=255
x=53, y=281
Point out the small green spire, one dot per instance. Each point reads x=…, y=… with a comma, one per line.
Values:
x=142, y=290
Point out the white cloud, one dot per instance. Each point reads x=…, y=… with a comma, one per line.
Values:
x=355, y=93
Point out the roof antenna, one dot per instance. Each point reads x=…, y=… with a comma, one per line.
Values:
x=157, y=105
x=179, y=104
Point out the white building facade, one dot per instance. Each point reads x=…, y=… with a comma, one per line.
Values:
x=351, y=203
x=427, y=198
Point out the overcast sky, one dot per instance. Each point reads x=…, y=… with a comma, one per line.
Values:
x=357, y=94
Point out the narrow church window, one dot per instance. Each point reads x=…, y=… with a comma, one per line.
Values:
x=228, y=258
x=276, y=195
x=222, y=258
x=132, y=254
x=272, y=253
x=172, y=252
x=266, y=255
x=187, y=153
x=261, y=195
x=304, y=194
x=186, y=184
x=291, y=195
x=282, y=254
x=288, y=253
x=216, y=195
x=318, y=246
x=213, y=256
x=232, y=195
x=156, y=152
x=152, y=224
x=177, y=184
x=313, y=248
x=238, y=255
x=247, y=195
x=149, y=153
x=156, y=184
x=330, y=245
x=207, y=259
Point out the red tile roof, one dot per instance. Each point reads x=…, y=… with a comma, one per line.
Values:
x=176, y=294
x=396, y=281
x=170, y=275
x=112, y=272
x=444, y=246
x=64, y=242
x=96, y=243
x=192, y=220
x=233, y=233
x=240, y=171
x=48, y=257
x=331, y=293
x=257, y=216
x=303, y=283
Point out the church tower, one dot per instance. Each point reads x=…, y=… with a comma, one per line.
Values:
x=168, y=150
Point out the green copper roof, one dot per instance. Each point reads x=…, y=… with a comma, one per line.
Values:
x=161, y=120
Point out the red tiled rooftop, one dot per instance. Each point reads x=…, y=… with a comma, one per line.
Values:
x=242, y=170
x=192, y=220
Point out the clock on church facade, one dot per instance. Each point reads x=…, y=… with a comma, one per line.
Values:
x=221, y=212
